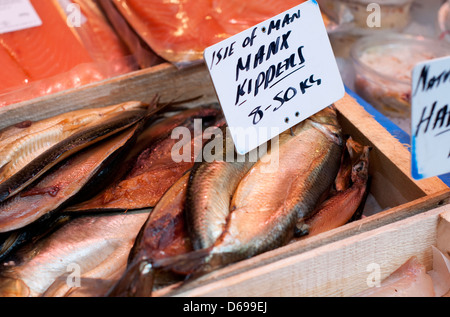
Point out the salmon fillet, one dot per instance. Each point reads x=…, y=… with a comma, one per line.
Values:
x=54, y=56
x=180, y=30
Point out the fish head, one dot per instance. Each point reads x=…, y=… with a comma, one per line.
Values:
x=327, y=122
x=360, y=170
x=354, y=148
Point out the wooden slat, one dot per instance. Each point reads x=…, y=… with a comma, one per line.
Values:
x=165, y=80
x=325, y=239
x=336, y=269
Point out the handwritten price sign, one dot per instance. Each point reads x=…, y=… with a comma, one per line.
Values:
x=275, y=75
x=431, y=119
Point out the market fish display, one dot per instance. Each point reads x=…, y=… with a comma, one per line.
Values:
x=30, y=149
x=55, y=56
x=62, y=183
x=206, y=214
x=163, y=235
x=97, y=247
x=179, y=31
x=268, y=202
x=154, y=170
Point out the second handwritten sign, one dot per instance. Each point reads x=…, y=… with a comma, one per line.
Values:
x=431, y=118
x=275, y=75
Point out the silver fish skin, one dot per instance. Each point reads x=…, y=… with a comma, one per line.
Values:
x=97, y=247
x=268, y=203
x=27, y=158
x=210, y=189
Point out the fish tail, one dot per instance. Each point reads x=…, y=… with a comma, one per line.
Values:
x=137, y=281
x=184, y=264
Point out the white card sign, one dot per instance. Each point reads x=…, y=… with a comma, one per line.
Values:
x=16, y=15
x=430, y=118
x=274, y=75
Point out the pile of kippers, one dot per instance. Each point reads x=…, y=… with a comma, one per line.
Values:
x=93, y=202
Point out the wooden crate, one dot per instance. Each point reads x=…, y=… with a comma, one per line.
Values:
x=341, y=268
x=396, y=194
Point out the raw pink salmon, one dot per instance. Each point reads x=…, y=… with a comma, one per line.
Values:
x=180, y=30
x=56, y=56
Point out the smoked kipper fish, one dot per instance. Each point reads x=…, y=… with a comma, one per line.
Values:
x=63, y=183
x=268, y=202
x=211, y=186
x=350, y=156
x=154, y=170
x=13, y=240
x=31, y=148
x=95, y=247
x=340, y=208
x=163, y=235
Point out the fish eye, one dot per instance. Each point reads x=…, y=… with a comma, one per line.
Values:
x=360, y=166
x=145, y=267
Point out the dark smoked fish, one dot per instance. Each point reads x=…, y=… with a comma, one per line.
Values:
x=341, y=207
x=62, y=183
x=154, y=170
x=30, y=149
x=163, y=235
x=350, y=156
x=268, y=202
x=11, y=241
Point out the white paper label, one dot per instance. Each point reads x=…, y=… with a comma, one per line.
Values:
x=274, y=75
x=16, y=15
x=430, y=118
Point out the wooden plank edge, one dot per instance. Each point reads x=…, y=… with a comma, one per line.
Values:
x=261, y=277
